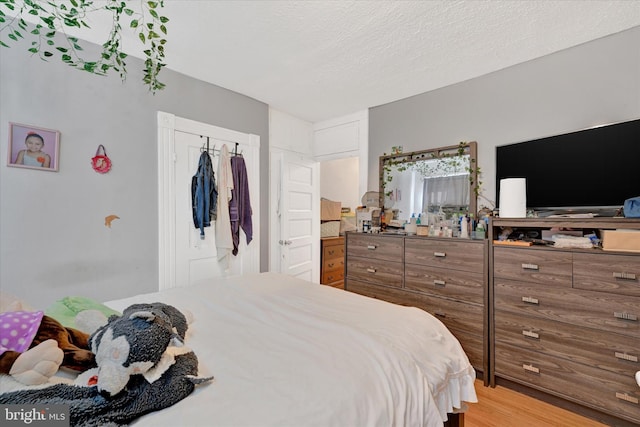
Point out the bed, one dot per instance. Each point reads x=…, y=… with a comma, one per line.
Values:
x=285, y=352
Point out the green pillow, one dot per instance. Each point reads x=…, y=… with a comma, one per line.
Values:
x=66, y=309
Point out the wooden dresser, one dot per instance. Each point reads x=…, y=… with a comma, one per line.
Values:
x=332, y=261
x=565, y=321
x=445, y=277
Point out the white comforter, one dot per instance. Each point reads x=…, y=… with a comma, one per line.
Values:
x=285, y=352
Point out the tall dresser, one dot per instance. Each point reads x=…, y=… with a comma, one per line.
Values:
x=565, y=322
x=332, y=261
x=445, y=277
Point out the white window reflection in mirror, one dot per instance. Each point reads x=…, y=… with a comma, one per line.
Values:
x=441, y=180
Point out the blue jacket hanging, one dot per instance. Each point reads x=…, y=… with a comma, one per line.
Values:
x=204, y=195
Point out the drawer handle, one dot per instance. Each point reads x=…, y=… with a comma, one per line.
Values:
x=627, y=397
x=531, y=368
x=331, y=252
x=440, y=314
x=625, y=316
x=625, y=356
x=530, y=300
x=530, y=267
x=625, y=276
x=439, y=282
x=330, y=264
x=371, y=270
x=439, y=254
x=531, y=334
x=371, y=247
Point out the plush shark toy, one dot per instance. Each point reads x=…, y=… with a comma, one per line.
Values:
x=143, y=366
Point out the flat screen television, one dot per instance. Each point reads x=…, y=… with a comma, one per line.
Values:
x=591, y=170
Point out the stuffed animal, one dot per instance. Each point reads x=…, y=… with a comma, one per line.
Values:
x=34, y=346
x=146, y=336
x=142, y=366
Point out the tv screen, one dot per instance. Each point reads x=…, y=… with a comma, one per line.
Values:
x=595, y=168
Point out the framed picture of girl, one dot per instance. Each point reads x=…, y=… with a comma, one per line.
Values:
x=33, y=147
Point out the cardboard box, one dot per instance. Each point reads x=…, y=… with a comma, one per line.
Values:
x=621, y=240
x=330, y=210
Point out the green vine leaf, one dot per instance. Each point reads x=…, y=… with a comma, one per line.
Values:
x=436, y=163
x=56, y=17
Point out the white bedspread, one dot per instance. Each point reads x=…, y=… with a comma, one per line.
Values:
x=285, y=352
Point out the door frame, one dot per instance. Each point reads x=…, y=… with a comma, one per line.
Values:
x=168, y=124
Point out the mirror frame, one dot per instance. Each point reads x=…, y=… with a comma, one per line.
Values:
x=470, y=148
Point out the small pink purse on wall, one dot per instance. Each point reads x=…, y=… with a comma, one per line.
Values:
x=101, y=163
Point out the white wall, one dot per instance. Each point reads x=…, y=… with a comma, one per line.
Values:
x=591, y=84
x=53, y=238
x=339, y=181
x=290, y=133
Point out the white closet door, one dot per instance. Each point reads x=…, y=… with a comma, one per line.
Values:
x=185, y=258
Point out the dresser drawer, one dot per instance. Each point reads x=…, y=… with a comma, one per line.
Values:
x=332, y=276
x=454, y=314
x=333, y=250
x=584, y=384
x=540, y=266
x=456, y=254
x=385, y=293
x=618, y=274
x=371, y=270
x=473, y=346
x=613, y=352
x=615, y=313
x=461, y=285
x=332, y=265
x=384, y=248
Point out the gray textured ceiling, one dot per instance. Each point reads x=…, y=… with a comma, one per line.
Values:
x=322, y=59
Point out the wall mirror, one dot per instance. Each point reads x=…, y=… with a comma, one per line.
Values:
x=434, y=181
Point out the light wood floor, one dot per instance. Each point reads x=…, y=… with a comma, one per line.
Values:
x=502, y=407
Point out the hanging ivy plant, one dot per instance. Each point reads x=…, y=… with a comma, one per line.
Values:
x=51, y=18
x=433, y=163
x=444, y=161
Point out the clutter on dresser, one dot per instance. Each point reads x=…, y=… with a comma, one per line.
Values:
x=631, y=207
x=347, y=220
x=369, y=216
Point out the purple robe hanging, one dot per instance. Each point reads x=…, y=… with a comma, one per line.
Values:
x=240, y=204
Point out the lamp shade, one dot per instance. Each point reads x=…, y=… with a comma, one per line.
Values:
x=513, y=198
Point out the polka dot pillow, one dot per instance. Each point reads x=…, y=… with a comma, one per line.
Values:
x=17, y=330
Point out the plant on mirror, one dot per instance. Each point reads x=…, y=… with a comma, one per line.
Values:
x=50, y=19
x=438, y=162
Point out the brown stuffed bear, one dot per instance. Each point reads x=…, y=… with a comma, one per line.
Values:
x=52, y=346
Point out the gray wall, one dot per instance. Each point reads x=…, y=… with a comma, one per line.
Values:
x=53, y=241
x=591, y=84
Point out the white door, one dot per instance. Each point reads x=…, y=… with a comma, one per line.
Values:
x=191, y=259
x=299, y=213
x=195, y=257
